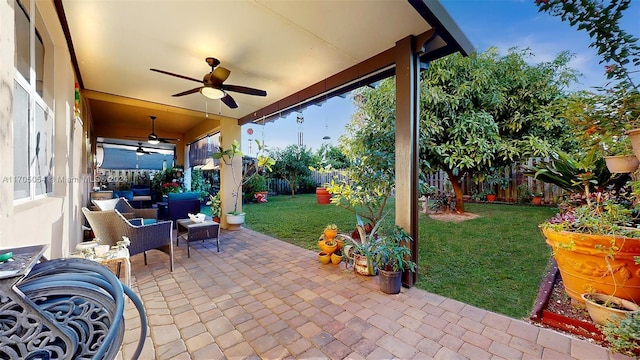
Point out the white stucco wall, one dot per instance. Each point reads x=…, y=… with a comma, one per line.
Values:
x=55, y=220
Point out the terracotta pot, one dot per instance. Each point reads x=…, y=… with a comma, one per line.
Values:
x=335, y=258
x=324, y=258
x=584, y=269
x=340, y=244
x=363, y=265
x=600, y=312
x=390, y=281
x=536, y=200
x=621, y=164
x=323, y=196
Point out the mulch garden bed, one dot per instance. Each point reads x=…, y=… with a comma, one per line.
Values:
x=555, y=309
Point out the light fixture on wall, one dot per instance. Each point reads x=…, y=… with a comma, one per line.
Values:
x=212, y=93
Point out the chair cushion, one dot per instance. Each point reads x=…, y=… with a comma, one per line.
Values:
x=184, y=196
x=106, y=204
x=149, y=221
x=141, y=192
x=127, y=194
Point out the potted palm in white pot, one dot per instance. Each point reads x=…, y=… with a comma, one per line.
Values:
x=261, y=164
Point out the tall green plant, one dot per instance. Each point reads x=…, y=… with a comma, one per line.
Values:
x=579, y=173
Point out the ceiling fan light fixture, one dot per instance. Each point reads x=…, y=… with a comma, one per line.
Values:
x=153, y=141
x=212, y=93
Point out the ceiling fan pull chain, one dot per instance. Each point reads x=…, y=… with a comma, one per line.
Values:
x=206, y=108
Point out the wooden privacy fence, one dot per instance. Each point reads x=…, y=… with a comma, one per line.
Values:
x=515, y=177
x=440, y=181
x=280, y=186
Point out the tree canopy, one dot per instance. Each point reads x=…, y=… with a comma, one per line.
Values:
x=292, y=164
x=485, y=111
x=478, y=113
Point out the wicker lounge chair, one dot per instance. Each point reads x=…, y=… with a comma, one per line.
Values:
x=124, y=207
x=111, y=225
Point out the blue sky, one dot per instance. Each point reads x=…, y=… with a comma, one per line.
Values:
x=500, y=23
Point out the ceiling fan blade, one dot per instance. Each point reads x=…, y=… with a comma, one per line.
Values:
x=220, y=74
x=194, y=90
x=177, y=75
x=244, y=90
x=228, y=100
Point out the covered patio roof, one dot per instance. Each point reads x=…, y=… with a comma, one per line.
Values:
x=298, y=52
x=294, y=50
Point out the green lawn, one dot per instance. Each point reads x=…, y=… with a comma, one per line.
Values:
x=494, y=262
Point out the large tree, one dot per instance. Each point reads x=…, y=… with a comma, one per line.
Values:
x=478, y=113
x=292, y=165
x=486, y=111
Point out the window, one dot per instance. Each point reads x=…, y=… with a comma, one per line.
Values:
x=33, y=122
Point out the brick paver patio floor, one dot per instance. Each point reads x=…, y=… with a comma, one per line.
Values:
x=262, y=298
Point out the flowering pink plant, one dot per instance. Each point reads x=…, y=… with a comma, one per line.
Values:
x=170, y=188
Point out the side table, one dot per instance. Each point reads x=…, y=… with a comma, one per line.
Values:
x=192, y=231
x=113, y=259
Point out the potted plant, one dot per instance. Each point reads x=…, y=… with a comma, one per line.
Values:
x=619, y=155
x=256, y=189
x=322, y=195
x=595, y=241
x=525, y=194
x=536, y=199
x=495, y=179
x=330, y=231
x=361, y=250
x=263, y=163
x=392, y=257
x=604, y=308
x=216, y=207
x=336, y=257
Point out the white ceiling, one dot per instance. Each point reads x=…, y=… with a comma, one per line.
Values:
x=279, y=46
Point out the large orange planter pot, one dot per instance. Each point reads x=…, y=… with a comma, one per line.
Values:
x=584, y=269
x=323, y=196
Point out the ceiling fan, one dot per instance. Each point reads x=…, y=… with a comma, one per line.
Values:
x=141, y=151
x=213, y=85
x=153, y=138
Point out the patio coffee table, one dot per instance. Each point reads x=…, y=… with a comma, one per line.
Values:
x=192, y=231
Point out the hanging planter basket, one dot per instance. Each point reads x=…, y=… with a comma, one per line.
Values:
x=622, y=163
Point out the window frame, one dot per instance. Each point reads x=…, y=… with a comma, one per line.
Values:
x=40, y=108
